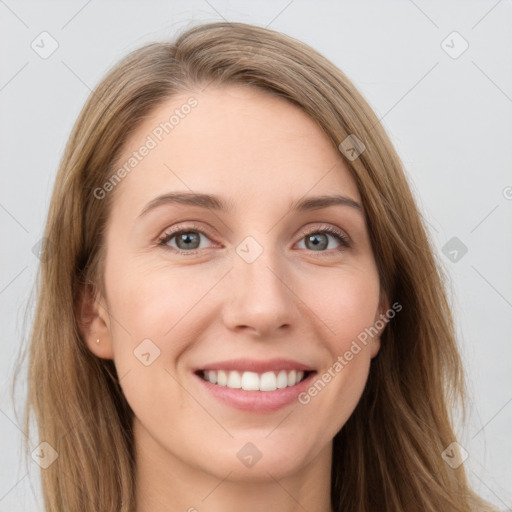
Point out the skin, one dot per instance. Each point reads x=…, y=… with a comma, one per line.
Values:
x=293, y=301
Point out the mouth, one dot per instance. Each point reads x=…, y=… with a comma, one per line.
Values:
x=253, y=385
x=253, y=381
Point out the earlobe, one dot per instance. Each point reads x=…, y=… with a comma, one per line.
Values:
x=381, y=320
x=375, y=347
x=94, y=323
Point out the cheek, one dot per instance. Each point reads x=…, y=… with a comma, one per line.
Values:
x=152, y=325
x=159, y=303
x=346, y=303
x=157, y=316
x=348, y=312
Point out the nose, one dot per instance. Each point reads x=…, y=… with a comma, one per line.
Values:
x=261, y=298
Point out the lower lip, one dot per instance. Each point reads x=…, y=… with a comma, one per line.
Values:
x=257, y=401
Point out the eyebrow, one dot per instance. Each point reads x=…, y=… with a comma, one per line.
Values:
x=216, y=203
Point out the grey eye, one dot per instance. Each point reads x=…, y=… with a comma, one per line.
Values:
x=185, y=240
x=317, y=241
x=188, y=240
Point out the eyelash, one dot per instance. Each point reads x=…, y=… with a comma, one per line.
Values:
x=169, y=235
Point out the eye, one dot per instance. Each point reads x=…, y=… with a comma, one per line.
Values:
x=188, y=240
x=318, y=240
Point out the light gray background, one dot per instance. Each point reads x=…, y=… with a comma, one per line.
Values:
x=448, y=117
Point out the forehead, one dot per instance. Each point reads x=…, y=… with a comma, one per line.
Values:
x=238, y=142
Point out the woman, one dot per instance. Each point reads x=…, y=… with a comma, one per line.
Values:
x=239, y=307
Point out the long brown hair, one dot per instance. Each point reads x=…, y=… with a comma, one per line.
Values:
x=387, y=456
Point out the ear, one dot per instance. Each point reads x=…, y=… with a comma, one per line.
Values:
x=380, y=322
x=94, y=322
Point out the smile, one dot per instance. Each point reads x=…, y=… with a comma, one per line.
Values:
x=255, y=386
x=252, y=381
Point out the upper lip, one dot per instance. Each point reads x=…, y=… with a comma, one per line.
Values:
x=257, y=366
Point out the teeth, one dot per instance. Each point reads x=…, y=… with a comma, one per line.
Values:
x=282, y=379
x=268, y=382
x=222, y=378
x=292, y=376
x=251, y=381
x=234, y=380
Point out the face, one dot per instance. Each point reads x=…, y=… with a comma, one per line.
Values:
x=252, y=288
